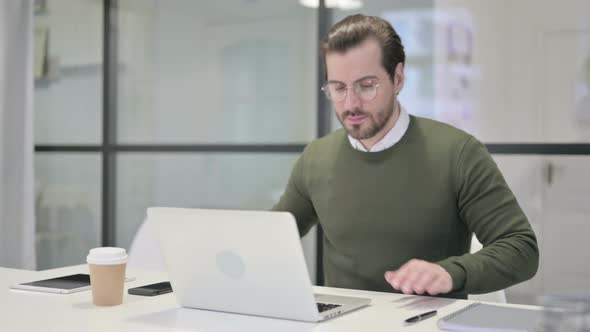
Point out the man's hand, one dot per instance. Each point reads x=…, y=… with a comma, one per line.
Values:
x=418, y=276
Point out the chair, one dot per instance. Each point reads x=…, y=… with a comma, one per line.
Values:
x=497, y=296
x=144, y=252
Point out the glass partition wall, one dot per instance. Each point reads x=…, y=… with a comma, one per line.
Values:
x=208, y=104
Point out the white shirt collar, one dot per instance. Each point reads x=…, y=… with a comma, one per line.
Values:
x=393, y=135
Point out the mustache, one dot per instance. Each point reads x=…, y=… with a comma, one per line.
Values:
x=346, y=114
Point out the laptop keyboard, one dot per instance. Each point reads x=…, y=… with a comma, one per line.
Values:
x=326, y=306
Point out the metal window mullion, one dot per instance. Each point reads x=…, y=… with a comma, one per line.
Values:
x=323, y=126
x=109, y=111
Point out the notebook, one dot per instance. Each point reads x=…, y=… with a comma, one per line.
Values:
x=492, y=318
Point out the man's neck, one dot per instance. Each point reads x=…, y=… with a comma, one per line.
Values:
x=371, y=141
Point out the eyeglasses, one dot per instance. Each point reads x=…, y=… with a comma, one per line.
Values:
x=365, y=89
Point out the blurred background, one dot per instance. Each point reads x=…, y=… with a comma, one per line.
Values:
x=189, y=103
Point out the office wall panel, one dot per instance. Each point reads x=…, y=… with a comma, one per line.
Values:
x=68, y=72
x=505, y=71
x=554, y=192
x=217, y=72
x=251, y=181
x=67, y=207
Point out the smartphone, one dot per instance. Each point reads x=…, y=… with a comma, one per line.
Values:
x=152, y=289
x=61, y=285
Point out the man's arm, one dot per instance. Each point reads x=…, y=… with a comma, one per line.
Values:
x=296, y=199
x=489, y=208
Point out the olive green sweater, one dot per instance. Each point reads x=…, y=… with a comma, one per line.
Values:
x=421, y=198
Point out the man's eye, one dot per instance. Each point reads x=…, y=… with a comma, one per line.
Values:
x=339, y=88
x=367, y=84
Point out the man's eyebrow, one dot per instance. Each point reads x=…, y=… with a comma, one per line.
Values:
x=366, y=77
x=334, y=81
x=358, y=80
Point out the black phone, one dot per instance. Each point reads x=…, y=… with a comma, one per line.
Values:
x=152, y=289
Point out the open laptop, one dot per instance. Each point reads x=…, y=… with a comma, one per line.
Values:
x=247, y=262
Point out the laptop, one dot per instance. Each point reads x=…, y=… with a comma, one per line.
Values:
x=246, y=262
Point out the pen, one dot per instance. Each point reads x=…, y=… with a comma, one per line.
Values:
x=420, y=317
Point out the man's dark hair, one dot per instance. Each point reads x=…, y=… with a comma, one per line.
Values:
x=353, y=30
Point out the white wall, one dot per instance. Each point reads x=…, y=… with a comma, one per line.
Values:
x=190, y=73
x=175, y=88
x=527, y=87
x=176, y=85
x=68, y=108
x=530, y=54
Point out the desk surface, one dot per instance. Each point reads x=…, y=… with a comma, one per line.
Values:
x=33, y=311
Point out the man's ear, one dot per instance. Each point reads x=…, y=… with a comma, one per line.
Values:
x=398, y=77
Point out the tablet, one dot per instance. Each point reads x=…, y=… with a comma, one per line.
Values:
x=61, y=285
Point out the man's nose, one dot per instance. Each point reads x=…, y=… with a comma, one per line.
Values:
x=352, y=100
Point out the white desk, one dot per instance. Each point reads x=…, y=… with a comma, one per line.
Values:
x=33, y=311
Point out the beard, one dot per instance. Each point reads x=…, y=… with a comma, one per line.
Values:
x=373, y=124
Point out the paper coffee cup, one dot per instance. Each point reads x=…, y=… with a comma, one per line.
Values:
x=107, y=275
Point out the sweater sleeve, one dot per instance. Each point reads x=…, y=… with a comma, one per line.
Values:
x=296, y=199
x=489, y=208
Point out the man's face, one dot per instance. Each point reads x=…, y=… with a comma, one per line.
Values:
x=361, y=66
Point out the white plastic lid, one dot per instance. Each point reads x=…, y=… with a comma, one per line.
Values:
x=107, y=256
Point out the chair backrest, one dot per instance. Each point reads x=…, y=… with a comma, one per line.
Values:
x=497, y=296
x=144, y=252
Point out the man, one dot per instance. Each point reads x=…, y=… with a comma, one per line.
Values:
x=399, y=196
